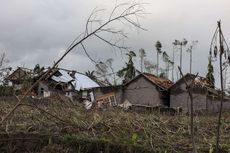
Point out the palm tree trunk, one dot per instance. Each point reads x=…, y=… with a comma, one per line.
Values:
x=181, y=57
x=222, y=91
x=157, y=62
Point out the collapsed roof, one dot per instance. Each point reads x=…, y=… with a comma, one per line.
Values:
x=62, y=76
x=159, y=81
x=78, y=80
x=20, y=74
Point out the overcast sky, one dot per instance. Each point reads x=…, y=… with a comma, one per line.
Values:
x=38, y=31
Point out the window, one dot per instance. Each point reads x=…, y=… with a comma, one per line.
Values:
x=113, y=100
x=42, y=90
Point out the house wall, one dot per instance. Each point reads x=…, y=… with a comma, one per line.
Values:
x=179, y=98
x=213, y=105
x=143, y=92
x=182, y=100
x=43, y=90
x=104, y=90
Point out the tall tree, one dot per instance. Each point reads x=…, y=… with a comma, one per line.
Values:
x=142, y=55
x=209, y=76
x=224, y=54
x=129, y=71
x=168, y=62
x=158, y=48
x=189, y=50
x=182, y=44
x=173, y=60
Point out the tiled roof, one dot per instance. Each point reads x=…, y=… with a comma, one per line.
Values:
x=200, y=82
x=159, y=81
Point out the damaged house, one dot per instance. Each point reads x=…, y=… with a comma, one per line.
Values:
x=144, y=91
x=147, y=91
x=60, y=81
x=205, y=98
x=108, y=96
x=20, y=79
x=66, y=82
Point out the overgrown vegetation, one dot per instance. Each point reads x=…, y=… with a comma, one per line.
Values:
x=209, y=75
x=6, y=90
x=78, y=130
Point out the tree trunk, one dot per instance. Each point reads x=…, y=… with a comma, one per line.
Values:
x=222, y=91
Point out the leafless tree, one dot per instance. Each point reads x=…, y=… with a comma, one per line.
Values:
x=220, y=47
x=127, y=14
x=189, y=87
x=104, y=70
x=149, y=66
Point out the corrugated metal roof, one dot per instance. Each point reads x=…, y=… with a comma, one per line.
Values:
x=64, y=77
x=79, y=81
x=83, y=82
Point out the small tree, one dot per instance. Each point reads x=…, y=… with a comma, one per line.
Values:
x=190, y=88
x=129, y=71
x=209, y=76
x=38, y=69
x=91, y=75
x=149, y=66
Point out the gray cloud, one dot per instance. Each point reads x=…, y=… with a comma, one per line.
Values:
x=38, y=31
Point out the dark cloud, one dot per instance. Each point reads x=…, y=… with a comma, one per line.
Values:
x=39, y=31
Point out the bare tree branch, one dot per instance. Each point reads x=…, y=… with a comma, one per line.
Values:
x=88, y=54
x=133, y=10
x=111, y=44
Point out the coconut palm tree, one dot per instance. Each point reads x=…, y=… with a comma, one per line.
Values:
x=189, y=50
x=142, y=54
x=158, y=48
x=182, y=44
